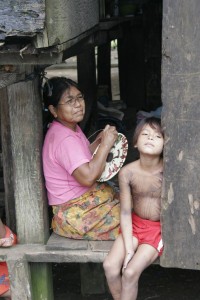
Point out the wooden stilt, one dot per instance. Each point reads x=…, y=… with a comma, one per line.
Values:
x=22, y=145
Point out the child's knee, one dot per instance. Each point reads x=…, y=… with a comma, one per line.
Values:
x=106, y=264
x=111, y=269
x=130, y=275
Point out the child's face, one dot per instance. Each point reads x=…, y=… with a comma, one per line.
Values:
x=150, y=141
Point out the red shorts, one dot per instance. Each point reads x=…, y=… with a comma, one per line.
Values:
x=147, y=232
x=4, y=279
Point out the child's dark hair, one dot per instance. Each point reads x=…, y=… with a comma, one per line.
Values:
x=54, y=88
x=153, y=122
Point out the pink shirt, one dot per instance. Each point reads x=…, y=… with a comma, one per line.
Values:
x=64, y=151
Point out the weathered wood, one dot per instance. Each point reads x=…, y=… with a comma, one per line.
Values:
x=39, y=253
x=66, y=20
x=31, y=57
x=25, y=143
x=9, y=74
x=57, y=242
x=21, y=18
x=9, y=77
x=180, y=96
x=20, y=279
x=100, y=246
x=25, y=113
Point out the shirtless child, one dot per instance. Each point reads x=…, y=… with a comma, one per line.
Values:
x=140, y=241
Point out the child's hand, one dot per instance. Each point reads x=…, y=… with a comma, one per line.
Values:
x=127, y=260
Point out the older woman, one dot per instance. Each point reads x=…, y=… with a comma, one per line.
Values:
x=82, y=207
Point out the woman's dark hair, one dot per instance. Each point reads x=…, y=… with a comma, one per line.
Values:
x=54, y=88
x=153, y=122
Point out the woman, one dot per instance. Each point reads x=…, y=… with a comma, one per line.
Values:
x=82, y=208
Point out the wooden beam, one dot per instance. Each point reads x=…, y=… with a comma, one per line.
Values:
x=40, y=58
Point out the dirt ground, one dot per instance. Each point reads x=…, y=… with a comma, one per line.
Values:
x=155, y=283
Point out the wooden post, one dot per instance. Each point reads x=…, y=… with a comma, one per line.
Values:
x=8, y=75
x=180, y=96
x=87, y=80
x=104, y=67
x=131, y=66
x=7, y=162
x=20, y=277
x=25, y=115
x=25, y=136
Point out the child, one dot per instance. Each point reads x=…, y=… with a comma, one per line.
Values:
x=140, y=241
x=7, y=239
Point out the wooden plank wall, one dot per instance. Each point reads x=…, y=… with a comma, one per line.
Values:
x=181, y=101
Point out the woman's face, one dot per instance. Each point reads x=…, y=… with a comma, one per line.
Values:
x=71, y=108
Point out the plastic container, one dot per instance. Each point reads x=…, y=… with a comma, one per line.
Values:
x=127, y=7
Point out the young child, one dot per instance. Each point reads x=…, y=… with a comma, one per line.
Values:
x=7, y=239
x=140, y=241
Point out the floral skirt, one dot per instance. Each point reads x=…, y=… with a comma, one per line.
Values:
x=93, y=216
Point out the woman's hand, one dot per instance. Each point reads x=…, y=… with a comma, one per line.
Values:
x=105, y=138
x=88, y=173
x=93, y=146
x=109, y=136
x=127, y=259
